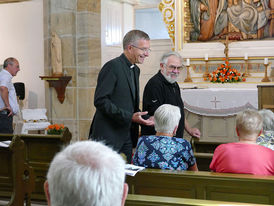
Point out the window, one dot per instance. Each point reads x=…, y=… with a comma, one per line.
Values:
x=151, y=21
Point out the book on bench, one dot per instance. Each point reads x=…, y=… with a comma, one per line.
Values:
x=133, y=169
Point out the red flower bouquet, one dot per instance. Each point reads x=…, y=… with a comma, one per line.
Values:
x=226, y=74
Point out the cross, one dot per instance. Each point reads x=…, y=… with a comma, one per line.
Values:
x=226, y=47
x=215, y=102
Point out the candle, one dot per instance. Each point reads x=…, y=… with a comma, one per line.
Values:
x=265, y=60
x=246, y=56
x=206, y=57
x=187, y=62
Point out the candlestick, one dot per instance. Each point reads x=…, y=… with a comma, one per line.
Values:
x=187, y=62
x=265, y=79
x=246, y=74
x=188, y=78
x=206, y=74
x=206, y=57
x=246, y=56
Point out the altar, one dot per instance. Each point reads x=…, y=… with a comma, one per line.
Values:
x=213, y=110
x=219, y=101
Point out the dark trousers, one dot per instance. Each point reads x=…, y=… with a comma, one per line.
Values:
x=6, y=124
x=125, y=147
x=127, y=150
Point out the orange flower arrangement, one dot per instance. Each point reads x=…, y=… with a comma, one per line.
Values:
x=55, y=129
x=225, y=74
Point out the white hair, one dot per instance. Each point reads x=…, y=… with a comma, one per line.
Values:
x=166, y=118
x=166, y=55
x=268, y=119
x=86, y=173
x=249, y=122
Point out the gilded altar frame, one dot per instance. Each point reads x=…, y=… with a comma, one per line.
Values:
x=215, y=49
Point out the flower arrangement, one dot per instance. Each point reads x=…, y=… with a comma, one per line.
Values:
x=55, y=129
x=225, y=74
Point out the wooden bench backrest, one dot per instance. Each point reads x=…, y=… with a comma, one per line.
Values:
x=203, y=152
x=38, y=153
x=266, y=97
x=16, y=177
x=148, y=200
x=203, y=185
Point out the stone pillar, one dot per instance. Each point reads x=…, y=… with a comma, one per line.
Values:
x=78, y=24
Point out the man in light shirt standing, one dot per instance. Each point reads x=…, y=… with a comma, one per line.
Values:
x=8, y=100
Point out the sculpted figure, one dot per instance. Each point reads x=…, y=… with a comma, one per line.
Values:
x=56, y=55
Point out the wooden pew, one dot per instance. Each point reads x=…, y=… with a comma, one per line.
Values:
x=203, y=185
x=203, y=152
x=39, y=152
x=266, y=97
x=148, y=200
x=16, y=177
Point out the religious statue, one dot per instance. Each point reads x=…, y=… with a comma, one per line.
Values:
x=56, y=55
x=242, y=19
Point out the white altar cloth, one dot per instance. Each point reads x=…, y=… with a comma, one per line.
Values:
x=34, y=119
x=219, y=101
x=34, y=126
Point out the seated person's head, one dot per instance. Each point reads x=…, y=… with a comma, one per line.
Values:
x=249, y=124
x=166, y=119
x=268, y=119
x=86, y=173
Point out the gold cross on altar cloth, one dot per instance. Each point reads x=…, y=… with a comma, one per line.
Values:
x=215, y=102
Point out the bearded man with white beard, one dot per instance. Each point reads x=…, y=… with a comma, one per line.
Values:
x=163, y=88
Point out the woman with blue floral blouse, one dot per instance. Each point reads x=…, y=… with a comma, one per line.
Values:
x=163, y=151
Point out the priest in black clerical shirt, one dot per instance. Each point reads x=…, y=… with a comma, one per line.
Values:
x=117, y=96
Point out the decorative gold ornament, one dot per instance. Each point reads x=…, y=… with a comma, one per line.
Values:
x=167, y=8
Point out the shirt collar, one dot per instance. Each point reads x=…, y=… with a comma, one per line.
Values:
x=130, y=65
x=5, y=71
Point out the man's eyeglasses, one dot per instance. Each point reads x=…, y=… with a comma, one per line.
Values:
x=172, y=67
x=143, y=49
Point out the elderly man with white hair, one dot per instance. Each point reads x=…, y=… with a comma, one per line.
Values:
x=267, y=137
x=163, y=150
x=86, y=173
x=163, y=88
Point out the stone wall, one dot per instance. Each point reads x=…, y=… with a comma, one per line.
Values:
x=78, y=24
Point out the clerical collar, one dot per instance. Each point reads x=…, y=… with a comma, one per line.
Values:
x=129, y=64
